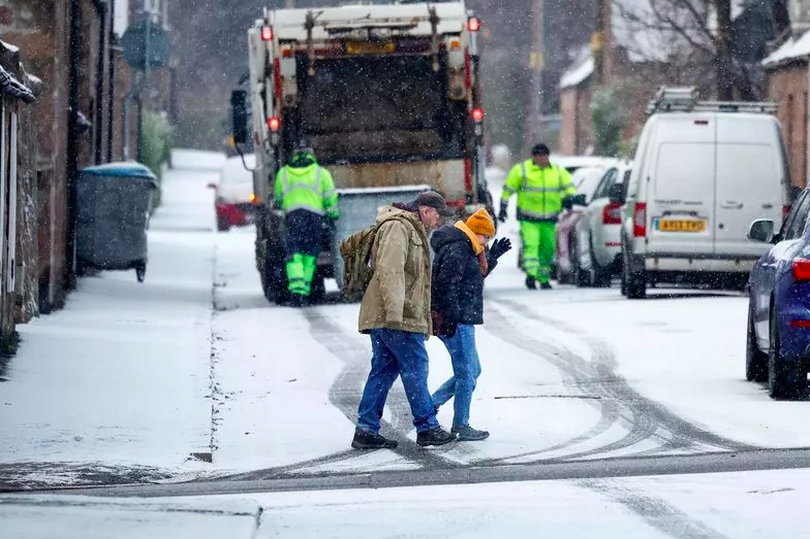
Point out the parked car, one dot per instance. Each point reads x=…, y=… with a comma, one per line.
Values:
x=778, y=337
x=573, y=162
x=597, y=255
x=586, y=180
x=234, y=203
x=702, y=173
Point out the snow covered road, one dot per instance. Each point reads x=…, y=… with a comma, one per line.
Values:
x=131, y=382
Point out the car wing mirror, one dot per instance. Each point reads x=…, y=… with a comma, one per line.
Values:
x=761, y=230
x=579, y=200
x=616, y=194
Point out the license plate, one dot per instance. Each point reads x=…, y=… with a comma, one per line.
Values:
x=364, y=47
x=681, y=225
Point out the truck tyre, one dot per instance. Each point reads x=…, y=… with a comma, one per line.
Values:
x=318, y=288
x=786, y=379
x=274, y=276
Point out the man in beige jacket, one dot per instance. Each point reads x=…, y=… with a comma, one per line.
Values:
x=396, y=314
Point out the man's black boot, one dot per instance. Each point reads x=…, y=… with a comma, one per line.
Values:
x=545, y=286
x=531, y=283
x=437, y=436
x=369, y=440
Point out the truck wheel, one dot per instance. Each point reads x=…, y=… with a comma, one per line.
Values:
x=786, y=379
x=318, y=288
x=140, y=271
x=274, y=276
x=223, y=225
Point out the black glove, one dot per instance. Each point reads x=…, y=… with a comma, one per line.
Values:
x=502, y=214
x=449, y=329
x=500, y=247
x=568, y=203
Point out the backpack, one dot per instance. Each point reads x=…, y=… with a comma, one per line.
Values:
x=357, y=269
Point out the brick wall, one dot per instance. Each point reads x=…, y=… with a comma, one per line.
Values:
x=575, y=109
x=788, y=86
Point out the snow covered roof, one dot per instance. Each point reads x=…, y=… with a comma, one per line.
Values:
x=793, y=49
x=10, y=67
x=579, y=71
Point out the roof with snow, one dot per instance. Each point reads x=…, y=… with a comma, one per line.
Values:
x=579, y=71
x=13, y=77
x=790, y=51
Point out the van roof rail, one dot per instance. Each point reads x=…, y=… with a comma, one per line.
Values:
x=685, y=99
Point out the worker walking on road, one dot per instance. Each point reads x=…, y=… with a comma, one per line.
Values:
x=306, y=193
x=543, y=190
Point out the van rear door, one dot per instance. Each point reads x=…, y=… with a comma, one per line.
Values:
x=749, y=181
x=681, y=191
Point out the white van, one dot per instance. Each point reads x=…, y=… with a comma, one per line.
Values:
x=703, y=172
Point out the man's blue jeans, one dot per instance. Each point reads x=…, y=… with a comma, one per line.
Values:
x=397, y=353
x=466, y=370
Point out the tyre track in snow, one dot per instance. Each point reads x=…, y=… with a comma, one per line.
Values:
x=346, y=390
x=656, y=512
x=344, y=394
x=617, y=402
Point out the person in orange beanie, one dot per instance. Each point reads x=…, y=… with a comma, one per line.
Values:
x=460, y=265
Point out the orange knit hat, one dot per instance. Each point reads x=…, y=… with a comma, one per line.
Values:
x=481, y=223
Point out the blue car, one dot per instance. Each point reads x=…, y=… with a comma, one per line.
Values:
x=778, y=343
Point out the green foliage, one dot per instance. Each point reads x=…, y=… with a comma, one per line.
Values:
x=609, y=117
x=157, y=140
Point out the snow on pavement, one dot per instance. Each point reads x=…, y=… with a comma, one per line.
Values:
x=708, y=506
x=118, y=380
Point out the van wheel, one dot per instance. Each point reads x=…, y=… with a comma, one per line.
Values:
x=786, y=379
x=756, y=362
x=635, y=285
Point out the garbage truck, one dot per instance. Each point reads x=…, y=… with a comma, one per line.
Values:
x=387, y=95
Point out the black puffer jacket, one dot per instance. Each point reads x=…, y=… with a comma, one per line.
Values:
x=457, y=283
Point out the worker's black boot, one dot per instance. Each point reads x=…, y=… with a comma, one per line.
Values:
x=531, y=283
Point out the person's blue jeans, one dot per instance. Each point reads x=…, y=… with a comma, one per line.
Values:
x=397, y=353
x=466, y=370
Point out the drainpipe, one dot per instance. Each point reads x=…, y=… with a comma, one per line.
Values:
x=73, y=141
x=101, y=10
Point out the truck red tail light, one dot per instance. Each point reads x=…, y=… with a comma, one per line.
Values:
x=273, y=124
x=612, y=214
x=478, y=115
x=474, y=24
x=640, y=220
x=468, y=175
x=801, y=270
x=267, y=33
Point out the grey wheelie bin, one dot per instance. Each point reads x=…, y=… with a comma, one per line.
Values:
x=112, y=213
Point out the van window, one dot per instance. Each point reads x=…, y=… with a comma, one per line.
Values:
x=685, y=172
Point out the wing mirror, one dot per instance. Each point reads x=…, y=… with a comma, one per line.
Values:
x=212, y=185
x=616, y=194
x=579, y=200
x=239, y=116
x=761, y=230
